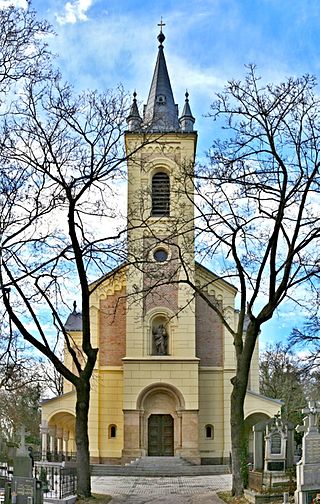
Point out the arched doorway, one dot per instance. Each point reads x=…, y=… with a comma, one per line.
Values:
x=249, y=422
x=164, y=405
x=161, y=409
x=160, y=435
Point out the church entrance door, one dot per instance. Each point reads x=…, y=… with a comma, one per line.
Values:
x=160, y=435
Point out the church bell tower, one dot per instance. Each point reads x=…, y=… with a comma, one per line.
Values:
x=160, y=367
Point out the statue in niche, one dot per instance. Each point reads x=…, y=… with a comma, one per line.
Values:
x=160, y=338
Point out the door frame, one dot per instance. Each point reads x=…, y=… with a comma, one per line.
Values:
x=161, y=445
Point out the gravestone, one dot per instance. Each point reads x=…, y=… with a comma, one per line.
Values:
x=276, y=437
x=308, y=469
x=26, y=491
x=22, y=462
x=273, y=453
x=24, y=488
x=273, y=445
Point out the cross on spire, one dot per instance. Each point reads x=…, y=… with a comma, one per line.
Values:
x=161, y=24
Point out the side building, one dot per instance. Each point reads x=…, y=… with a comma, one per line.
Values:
x=161, y=385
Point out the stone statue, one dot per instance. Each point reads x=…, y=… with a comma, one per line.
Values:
x=160, y=338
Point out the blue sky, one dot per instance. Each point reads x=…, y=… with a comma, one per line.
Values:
x=102, y=43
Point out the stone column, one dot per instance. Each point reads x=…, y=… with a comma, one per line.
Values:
x=52, y=442
x=59, y=436
x=131, y=446
x=65, y=443
x=143, y=443
x=179, y=429
x=44, y=441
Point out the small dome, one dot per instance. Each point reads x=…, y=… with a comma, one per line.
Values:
x=74, y=321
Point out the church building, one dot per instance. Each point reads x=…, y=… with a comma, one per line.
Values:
x=161, y=384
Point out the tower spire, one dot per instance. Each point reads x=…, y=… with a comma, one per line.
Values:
x=187, y=120
x=134, y=120
x=161, y=113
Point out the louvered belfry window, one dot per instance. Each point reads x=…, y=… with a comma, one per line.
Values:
x=160, y=195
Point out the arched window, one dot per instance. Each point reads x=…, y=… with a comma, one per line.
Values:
x=209, y=432
x=160, y=195
x=112, y=431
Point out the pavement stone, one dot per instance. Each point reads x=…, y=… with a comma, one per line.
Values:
x=162, y=490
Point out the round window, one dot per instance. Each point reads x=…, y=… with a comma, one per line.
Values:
x=160, y=255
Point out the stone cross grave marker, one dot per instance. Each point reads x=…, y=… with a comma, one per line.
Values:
x=308, y=469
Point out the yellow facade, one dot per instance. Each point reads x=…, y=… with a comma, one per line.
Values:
x=183, y=387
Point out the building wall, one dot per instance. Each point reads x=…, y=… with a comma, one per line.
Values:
x=110, y=413
x=112, y=344
x=182, y=374
x=209, y=334
x=211, y=413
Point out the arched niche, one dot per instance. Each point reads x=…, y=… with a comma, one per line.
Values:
x=160, y=335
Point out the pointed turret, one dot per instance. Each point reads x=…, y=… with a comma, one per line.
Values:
x=74, y=320
x=161, y=113
x=187, y=120
x=134, y=120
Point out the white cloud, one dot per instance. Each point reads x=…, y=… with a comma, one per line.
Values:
x=74, y=11
x=4, y=4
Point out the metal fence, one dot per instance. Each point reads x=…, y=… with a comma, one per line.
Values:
x=6, y=471
x=58, y=482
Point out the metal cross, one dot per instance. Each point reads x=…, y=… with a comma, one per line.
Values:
x=161, y=24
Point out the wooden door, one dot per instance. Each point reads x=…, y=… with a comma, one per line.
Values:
x=160, y=435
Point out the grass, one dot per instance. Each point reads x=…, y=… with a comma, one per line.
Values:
x=95, y=499
x=230, y=499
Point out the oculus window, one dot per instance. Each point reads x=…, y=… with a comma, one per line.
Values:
x=160, y=255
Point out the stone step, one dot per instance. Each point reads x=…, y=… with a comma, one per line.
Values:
x=160, y=462
x=179, y=469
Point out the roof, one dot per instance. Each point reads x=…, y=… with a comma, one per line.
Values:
x=214, y=276
x=74, y=320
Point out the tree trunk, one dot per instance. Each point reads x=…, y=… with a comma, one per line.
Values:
x=82, y=439
x=240, y=383
x=237, y=438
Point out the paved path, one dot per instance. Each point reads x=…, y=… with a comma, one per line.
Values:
x=162, y=490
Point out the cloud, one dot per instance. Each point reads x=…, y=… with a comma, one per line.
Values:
x=74, y=11
x=4, y=4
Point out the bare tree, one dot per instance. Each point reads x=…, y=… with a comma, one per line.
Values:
x=282, y=376
x=307, y=336
x=24, y=54
x=51, y=379
x=258, y=212
x=61, y=159
x=20, y=407
x=24, y=57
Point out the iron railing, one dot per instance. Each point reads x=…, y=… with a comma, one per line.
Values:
x=6, y=471
x=58, y=481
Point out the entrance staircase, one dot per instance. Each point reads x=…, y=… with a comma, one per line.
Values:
x=158, y=466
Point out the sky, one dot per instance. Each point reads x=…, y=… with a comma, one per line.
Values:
x=102, y=43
